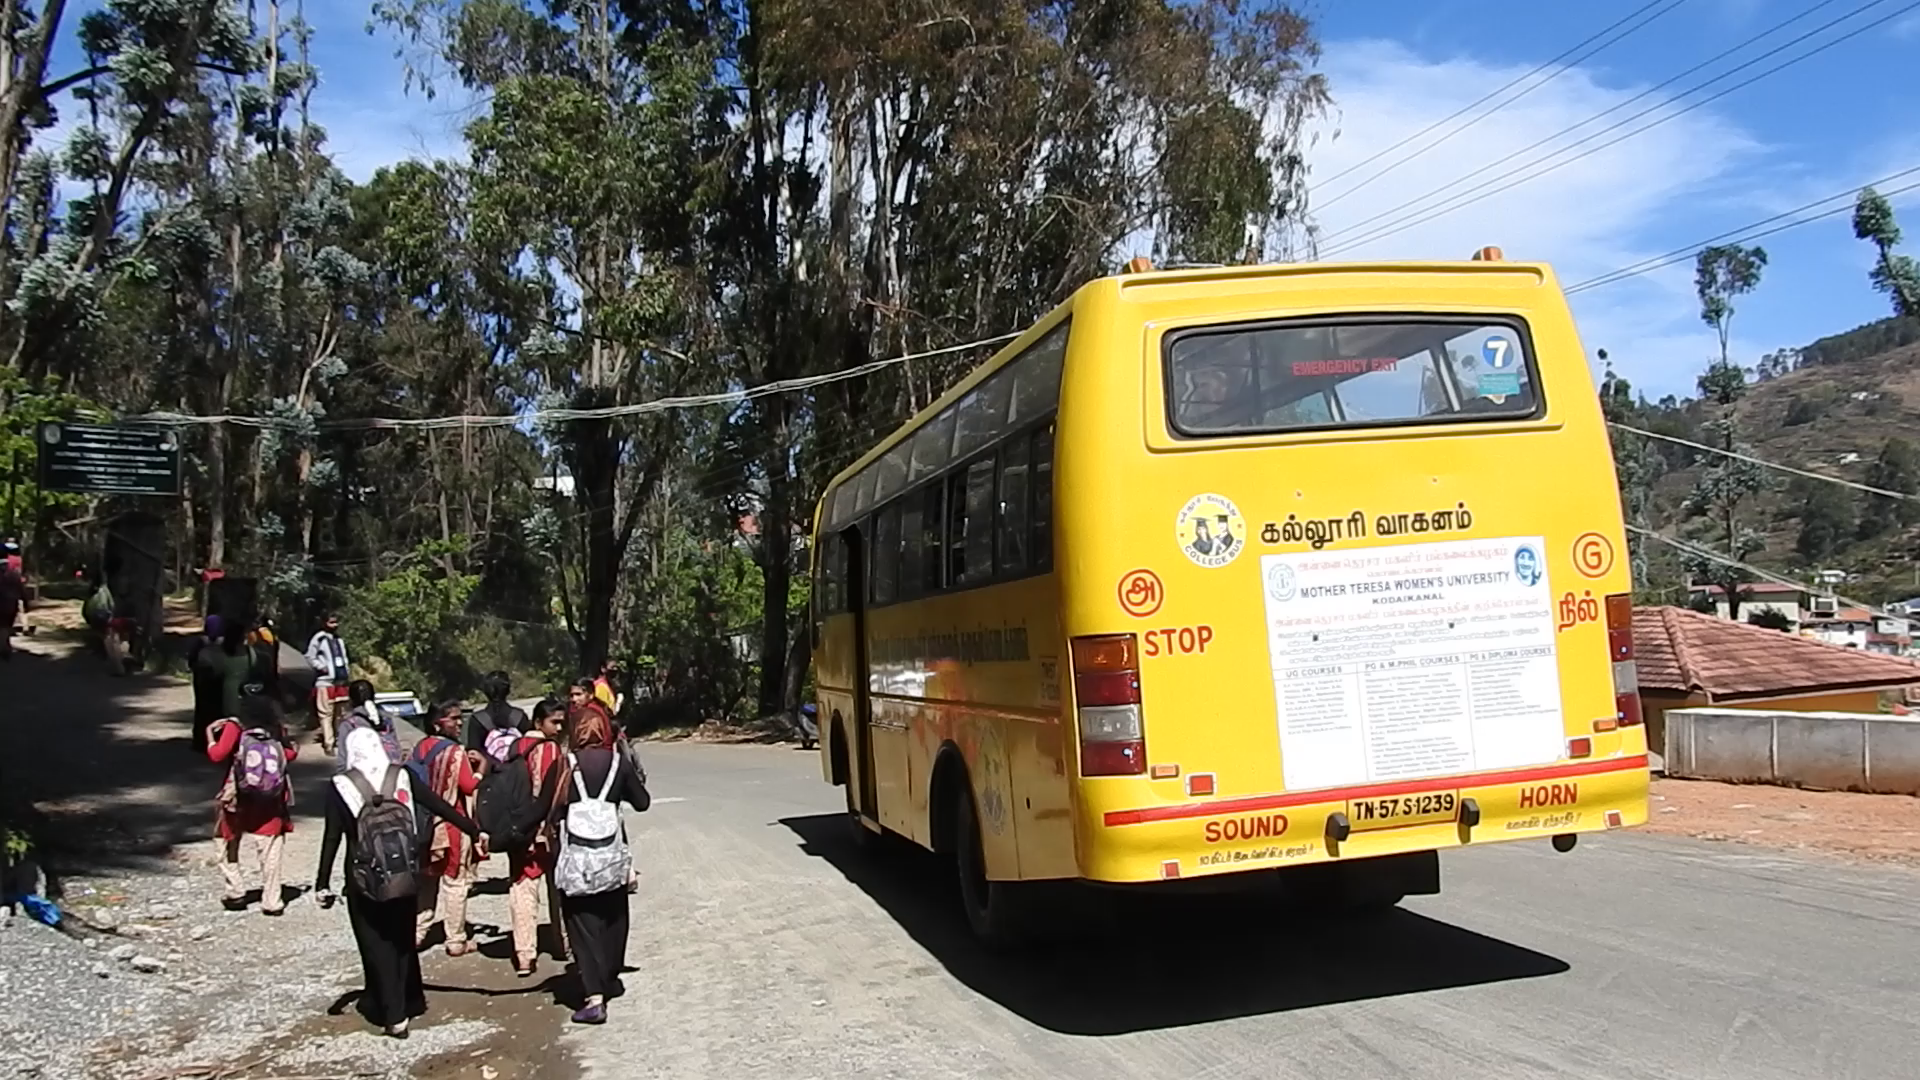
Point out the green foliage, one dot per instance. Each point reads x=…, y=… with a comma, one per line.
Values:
x=1898, y=276
x=1771, y=619
x=1862, y=342
x=1721, y=273
x=23, y=407
x=409, y=615
x=1826, y=517
x=1897, y=468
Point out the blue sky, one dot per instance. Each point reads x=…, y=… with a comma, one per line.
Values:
x=1815, y=128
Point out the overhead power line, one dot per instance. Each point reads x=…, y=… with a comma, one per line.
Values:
x=1709, y=555
x=1749, y=458
x=1488, y=188
x=1437, y=124
x=490, y=420
x=1747, y=233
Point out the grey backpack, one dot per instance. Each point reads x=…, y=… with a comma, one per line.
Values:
x=593, y=845
x=386, y=852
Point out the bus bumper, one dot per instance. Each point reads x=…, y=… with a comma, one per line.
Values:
x=1132, y=843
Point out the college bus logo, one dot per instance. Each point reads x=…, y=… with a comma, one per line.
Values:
x=1210, y=530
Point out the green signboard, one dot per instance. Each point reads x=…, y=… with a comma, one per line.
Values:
x=102, y=459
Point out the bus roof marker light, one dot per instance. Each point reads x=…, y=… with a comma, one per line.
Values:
x=1139, y=264
x=1488, y=254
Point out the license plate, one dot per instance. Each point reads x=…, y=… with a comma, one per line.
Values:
x=1390, y=811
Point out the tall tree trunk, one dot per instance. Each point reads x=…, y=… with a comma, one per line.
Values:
x=595, y=461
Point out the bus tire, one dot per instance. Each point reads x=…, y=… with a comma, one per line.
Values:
x=1001, y=914
x=864, y=839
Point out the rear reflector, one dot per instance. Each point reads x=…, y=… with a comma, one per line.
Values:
x=1580, y=747
x=1112, y=758
x=1200, y=784
x=1106, y=691
x=1106, y=688
x=1626, y=678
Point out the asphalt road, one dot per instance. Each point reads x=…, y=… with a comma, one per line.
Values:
x=766, y=946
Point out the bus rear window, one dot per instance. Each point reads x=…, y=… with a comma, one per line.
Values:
x=1355, y=372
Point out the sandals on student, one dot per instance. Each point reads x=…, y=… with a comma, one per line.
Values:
x=460, y=948
x=525, y=970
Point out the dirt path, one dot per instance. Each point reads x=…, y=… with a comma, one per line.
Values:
x=1880, y=827
x=127, y=807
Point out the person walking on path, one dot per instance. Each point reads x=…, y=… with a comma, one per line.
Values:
x=206, y=679
x=367, y=713
x=13, y=600
x=444, y=767
x=327, y=656
x=255, y=803
x=594, y=870
x=497, y=714
x=266, y=657
x=531, y=871
x=228, y=666
x=382, y=926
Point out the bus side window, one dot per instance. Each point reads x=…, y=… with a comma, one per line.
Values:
x=913, y=546
x=972, y=529
x=1012, y=532
x=1043, y=498
x=956, y=484
x=933, y=550
x=886, y=555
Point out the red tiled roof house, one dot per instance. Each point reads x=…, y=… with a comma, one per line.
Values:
x=1687, y=660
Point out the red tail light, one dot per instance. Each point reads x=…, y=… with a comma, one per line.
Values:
x=1106, y=688
x=1626, y=678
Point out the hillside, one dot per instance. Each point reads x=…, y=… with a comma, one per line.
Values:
x=1833, y=414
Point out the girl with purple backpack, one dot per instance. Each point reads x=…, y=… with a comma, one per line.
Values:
x=256, y=800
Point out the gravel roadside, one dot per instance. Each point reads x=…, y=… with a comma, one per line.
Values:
x=154, y=978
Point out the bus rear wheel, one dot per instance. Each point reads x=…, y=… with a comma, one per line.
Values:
x=864, y=839
x=1001, y=914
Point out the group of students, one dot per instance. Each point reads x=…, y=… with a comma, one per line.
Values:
x=544, y=790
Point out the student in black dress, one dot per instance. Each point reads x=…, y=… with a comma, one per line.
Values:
x=597, y=921
x=383, y=929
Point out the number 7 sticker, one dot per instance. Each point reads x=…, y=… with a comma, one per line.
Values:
x=1497, y=351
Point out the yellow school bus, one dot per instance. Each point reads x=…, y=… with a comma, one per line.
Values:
x=1309, y=571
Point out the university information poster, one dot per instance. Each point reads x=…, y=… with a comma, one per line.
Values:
x=1412, y=660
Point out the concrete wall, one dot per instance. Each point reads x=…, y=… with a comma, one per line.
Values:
x=1656, y=704
x=1833, y=750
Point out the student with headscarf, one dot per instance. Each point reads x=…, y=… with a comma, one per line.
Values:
x=597, y=922
x=449, y=861
x=531, y=871
x=255, y=802
x=382, y=929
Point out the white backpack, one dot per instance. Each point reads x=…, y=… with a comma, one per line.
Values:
x=593, y=848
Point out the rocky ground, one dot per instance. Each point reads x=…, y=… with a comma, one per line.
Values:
x=151, y=977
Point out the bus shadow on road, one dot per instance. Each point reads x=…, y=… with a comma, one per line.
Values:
x=1127, y=962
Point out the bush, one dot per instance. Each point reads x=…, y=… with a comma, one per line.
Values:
x=1802, y=411
x=1771, y=619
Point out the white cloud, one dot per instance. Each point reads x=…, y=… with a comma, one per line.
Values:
x=1604, y=211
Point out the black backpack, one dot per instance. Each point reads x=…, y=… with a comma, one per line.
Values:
x=492, y=716
x=386, y=853
x=503, y=806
